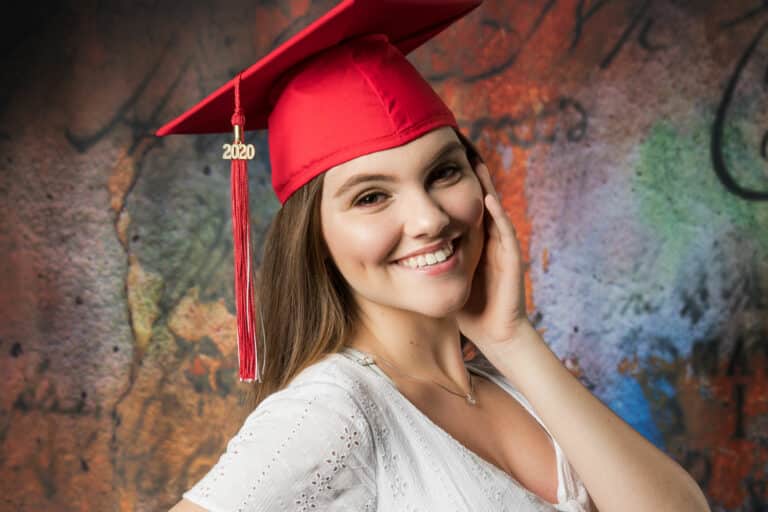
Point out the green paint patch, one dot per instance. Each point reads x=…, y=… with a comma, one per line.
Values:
x=681, y=199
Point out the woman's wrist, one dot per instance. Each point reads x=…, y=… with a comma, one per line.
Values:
x=517, y=332
x=513, y=351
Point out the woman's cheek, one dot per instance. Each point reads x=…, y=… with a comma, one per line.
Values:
x=469, y=207
x=373, y=240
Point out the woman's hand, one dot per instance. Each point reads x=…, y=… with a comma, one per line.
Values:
x=496, y=307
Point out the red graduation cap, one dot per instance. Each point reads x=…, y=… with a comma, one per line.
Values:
x=339, y=89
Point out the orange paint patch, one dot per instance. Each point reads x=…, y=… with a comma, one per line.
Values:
x=510, y=184
x=192, y=320
x=203, y=365
x=731, y=465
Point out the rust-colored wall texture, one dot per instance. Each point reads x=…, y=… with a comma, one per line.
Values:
x=628, y=139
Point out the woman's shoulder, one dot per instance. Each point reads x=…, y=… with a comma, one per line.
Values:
x=333, y=372
x=308, y=430
x=336, y=382
x=332, y=368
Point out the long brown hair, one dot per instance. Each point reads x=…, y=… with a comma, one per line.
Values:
x=306, y=308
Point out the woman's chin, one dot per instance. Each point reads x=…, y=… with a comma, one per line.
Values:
x=440, y=305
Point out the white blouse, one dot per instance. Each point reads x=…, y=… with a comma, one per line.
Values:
x=341, y=436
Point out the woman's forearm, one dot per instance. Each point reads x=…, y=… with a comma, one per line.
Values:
x=623, y=472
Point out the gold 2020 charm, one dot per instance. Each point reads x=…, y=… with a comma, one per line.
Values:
x=238, y=151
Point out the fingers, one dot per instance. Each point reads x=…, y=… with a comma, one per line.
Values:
x=493, y=204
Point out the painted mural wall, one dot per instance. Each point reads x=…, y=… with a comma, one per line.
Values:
x=628, y=138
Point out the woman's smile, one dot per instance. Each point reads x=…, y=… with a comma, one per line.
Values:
x=434, y=263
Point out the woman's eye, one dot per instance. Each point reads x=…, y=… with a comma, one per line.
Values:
x=362, y=201
x=446, y=172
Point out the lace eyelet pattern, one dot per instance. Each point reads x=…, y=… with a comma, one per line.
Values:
x=342, y=437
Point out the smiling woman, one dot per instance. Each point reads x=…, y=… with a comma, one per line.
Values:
x=390, y=249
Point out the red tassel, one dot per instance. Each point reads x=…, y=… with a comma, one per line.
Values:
x=241, y=231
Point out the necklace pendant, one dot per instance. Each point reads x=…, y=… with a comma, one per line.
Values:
x=471, y=399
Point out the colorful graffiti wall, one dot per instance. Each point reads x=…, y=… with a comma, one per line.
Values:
x=628, y=138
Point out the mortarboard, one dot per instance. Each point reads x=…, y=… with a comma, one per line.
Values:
x=339, y=89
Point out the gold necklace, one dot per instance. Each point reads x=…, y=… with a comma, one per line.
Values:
x=470, y=397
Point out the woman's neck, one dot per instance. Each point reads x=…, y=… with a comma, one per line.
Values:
x=416, y=345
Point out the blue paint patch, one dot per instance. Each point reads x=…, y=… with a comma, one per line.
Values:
x=628, y=401
x=663, y=385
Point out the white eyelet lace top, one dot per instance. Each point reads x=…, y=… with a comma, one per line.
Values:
x=341, y=437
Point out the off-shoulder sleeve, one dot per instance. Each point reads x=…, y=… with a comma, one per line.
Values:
x=306, y=447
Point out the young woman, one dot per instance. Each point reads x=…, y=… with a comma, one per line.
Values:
x=381, y=261
x=402, y=265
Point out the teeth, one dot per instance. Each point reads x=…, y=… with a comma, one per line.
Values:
x=425, y=260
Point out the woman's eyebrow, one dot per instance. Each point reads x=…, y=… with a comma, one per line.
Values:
x=362, y=178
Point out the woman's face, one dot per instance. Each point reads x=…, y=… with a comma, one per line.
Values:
x=381, y=208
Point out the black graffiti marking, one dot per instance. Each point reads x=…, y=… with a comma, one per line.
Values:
x=564, y=116
x=625, y=35
x=696, y=303
x=528, y=36
x=716, y=142
x=499, y=68
x=643, y=38
x=492, y=71
x=140, y=129
x=704, y=358
x=638, y=304
x=581, y=18
x=737, y=364
x=738, y=429
x=747, y=16
x=494, y=24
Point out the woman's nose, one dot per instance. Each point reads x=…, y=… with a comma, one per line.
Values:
x=424, y=216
